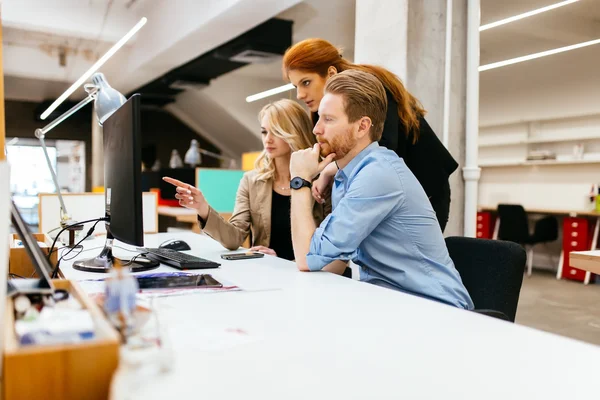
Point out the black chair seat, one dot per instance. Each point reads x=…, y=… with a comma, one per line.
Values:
x=492, y=272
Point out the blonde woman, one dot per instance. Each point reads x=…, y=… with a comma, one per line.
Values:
x=262, y=205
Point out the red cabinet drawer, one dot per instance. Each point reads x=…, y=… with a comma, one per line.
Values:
x=574, y=274
x=576, y=237
x=484, y=225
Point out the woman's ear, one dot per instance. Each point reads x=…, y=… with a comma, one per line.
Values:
x=331, y=71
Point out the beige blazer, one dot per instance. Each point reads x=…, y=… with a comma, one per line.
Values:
x=252, y=213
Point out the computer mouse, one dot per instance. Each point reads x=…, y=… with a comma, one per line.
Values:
x=178, y=245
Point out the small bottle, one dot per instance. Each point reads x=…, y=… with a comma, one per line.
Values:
x=120, y=302
x=598, y=200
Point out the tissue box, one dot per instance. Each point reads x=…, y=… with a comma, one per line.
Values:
x=67, y=371
x=18, y=259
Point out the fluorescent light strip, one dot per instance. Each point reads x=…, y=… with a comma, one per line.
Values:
x=270, y=92
x=94, y=68
x=525, y=15
x=537, y=55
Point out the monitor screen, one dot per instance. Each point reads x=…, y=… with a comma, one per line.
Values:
x=122, y=173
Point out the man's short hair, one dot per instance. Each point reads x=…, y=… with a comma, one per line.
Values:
x=364, y=96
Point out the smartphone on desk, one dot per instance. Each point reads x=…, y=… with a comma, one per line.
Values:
x=242, y=256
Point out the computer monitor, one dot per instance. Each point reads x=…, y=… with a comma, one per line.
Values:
x=122, y=188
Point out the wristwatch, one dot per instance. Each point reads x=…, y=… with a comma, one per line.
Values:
x=298, y=183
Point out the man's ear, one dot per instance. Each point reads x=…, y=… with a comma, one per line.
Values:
x=364, y=126
x=331, y=71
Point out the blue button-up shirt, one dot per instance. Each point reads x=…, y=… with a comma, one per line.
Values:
x=383, y=221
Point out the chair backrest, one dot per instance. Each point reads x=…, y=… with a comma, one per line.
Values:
x=491, y=270
x=513, y=223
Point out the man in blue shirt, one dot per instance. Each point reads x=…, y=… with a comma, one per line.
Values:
x=381, y=219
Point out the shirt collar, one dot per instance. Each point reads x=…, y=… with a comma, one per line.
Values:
x=347, y=170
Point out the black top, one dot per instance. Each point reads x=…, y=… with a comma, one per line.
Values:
x=428, y=159
x=281, y=228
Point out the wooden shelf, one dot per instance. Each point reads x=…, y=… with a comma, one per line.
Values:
x=536, y=162
x=571, y=139
x=494, y=144
x=527, y=120
x=553, y=140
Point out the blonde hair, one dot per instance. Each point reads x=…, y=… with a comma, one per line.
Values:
x=288, y=121
x=363, y=95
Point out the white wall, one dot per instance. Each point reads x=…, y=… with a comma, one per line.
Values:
x=561, y=85
x=563, y=88
x=558, y=87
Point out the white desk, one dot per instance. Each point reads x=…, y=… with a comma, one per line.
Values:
x=321, y=336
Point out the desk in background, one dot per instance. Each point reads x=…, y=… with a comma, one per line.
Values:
x=587, y=260
x=304, y=337
x=580, y=232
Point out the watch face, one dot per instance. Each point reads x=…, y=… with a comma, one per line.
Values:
x=296, y=183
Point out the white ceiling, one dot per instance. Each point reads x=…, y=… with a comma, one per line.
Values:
x=179, y=30
x=575, y=23
x=82, y=30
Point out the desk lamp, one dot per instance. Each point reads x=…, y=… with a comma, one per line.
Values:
x=193, y=156
x=107, y=100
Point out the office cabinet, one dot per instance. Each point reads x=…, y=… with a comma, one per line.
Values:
x=577, y=236
x=485, y=225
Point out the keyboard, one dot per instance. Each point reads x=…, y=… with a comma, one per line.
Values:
x=178, y=259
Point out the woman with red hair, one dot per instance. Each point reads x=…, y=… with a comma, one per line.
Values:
x=309, y=63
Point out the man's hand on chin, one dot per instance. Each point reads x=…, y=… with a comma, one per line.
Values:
x=305, y=163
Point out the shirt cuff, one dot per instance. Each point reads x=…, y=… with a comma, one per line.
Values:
x=314, y=260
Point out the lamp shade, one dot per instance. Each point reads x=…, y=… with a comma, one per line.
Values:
x=108, y=101
x=192, y=156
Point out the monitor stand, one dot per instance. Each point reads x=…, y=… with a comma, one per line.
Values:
x=105, y=260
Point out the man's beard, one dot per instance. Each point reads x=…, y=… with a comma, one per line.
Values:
x=340, y=145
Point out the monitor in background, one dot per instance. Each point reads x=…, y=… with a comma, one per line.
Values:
x=122, y=188
x=150, y=180
x=187, y=175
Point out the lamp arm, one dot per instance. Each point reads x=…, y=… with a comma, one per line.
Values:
x=40, y=133
x=215, y=155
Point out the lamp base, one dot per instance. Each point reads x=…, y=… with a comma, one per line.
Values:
x=72, y=229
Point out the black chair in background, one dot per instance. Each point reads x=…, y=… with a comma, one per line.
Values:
x=514, y=227
x=492, y=272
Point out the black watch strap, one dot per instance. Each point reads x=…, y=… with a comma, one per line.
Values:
x=298, y=183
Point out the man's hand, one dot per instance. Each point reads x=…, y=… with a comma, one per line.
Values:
x=305, y=163
x=323, y=184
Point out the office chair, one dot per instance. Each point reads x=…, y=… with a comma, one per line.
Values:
x=492, y=272
x=514, y=228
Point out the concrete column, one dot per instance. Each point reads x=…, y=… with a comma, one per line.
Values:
x=380, y=35
x=409, y=38
x=97, y=152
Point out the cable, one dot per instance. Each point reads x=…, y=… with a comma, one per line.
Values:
x=89, y=233
x=70, y=226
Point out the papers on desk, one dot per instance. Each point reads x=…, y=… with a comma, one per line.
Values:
x=96, y=286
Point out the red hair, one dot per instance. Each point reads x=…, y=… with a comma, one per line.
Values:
x=317, y=55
